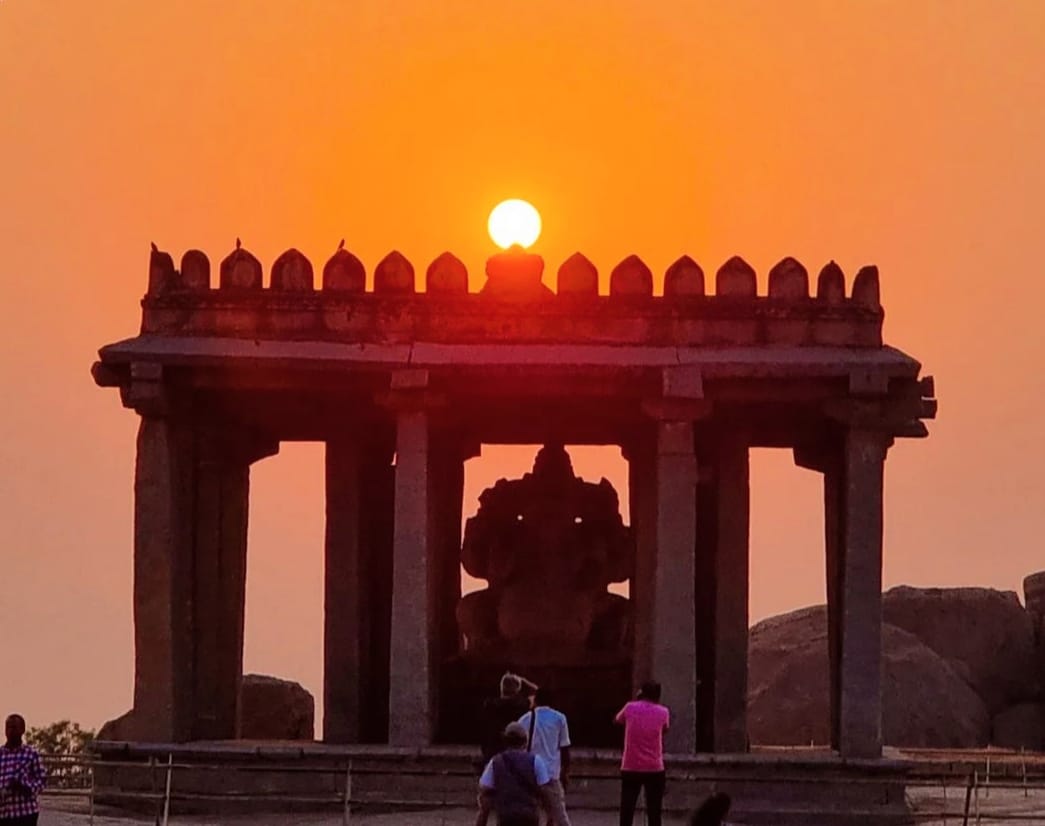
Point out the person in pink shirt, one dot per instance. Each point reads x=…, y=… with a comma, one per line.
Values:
x=642, y=767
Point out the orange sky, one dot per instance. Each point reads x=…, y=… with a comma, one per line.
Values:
x=904, y=134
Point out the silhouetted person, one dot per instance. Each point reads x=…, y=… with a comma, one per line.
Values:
x=512, y=703
x=549, y=739
x=514, y=783
x=642, y=767
x=713, y=811
x=21, y=777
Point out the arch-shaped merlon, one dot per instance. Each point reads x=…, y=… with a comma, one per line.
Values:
x=631, y=277
x=344, y=273
x=292, y=273
x=240, y=271
x=736, y=279
x=195, y=270
x=394, y=274
x=447, y=274
x=162, y=275
x=830, y=284
x=788, y=280
x=577, y=276
x=684, y=277
x=866, y=289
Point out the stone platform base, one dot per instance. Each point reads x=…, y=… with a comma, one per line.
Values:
x=778, y=787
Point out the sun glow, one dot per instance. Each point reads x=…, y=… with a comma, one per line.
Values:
x=514, y=222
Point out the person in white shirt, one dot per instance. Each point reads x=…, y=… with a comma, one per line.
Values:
x=549, y=738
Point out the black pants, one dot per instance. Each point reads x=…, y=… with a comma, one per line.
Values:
x=630, y=785
x=24, y=820
x=518, y=821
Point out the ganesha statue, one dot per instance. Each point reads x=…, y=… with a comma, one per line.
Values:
x=548, y=546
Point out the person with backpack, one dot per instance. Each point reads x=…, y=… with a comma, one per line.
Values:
x=514, y=783
x=549, y=738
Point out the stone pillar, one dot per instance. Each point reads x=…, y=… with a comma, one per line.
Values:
x=163, y=690
x=221, y=481
x=731, y=574
x=191, y=491
x=642, y=493
x=219, y=588
x=357, y=589
x=854, y=503
x=412, y=664
x=673, y=639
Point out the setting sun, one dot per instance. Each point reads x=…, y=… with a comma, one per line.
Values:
x=514, y=222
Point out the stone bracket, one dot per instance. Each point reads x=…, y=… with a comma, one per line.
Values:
x=682, y=383
x=676, y=410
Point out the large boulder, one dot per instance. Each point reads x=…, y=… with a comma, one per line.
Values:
x=274, y=709
x=986, y=634
x=1020, y=727
x=120, y=729
x=789, y=699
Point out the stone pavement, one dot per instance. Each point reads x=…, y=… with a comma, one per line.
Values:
x=447, y=817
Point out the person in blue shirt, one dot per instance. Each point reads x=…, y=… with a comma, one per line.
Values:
x=514, y=783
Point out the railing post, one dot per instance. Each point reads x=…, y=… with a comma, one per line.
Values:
x=167, y=790
x=347, y=813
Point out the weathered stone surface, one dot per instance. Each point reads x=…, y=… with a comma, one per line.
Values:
x=292, y=272
x=788, y=280
x=736, y=279
x=394, y=274
x=986, y=634
x=684, y=277
x=577, y=276
x=195, y=270
x=344, y=273
x=788, y=697
x=515, y=274
x=447, y=274
x=1020, y=727
x=240, y=270
x=274, y=709
x=830, y=284
x=866, y=290
x=162, y=275
x=631, y=277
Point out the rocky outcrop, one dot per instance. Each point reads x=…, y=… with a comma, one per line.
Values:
x=119, y=730
x=1020, y=727
x=985, y=634
x=274, y=709
x=789, y=694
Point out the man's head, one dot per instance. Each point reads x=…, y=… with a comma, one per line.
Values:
x=650, y=690
x=14, y=728
x=516, y=736
x=543, y=697
x=511, y=685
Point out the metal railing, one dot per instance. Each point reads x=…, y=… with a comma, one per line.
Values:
x=977, y=791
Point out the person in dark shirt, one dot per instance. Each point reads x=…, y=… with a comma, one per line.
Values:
x=514, y=701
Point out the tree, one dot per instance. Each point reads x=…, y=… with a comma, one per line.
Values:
x=61, y=737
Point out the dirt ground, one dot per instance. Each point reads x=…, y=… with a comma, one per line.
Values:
x=999, y=806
